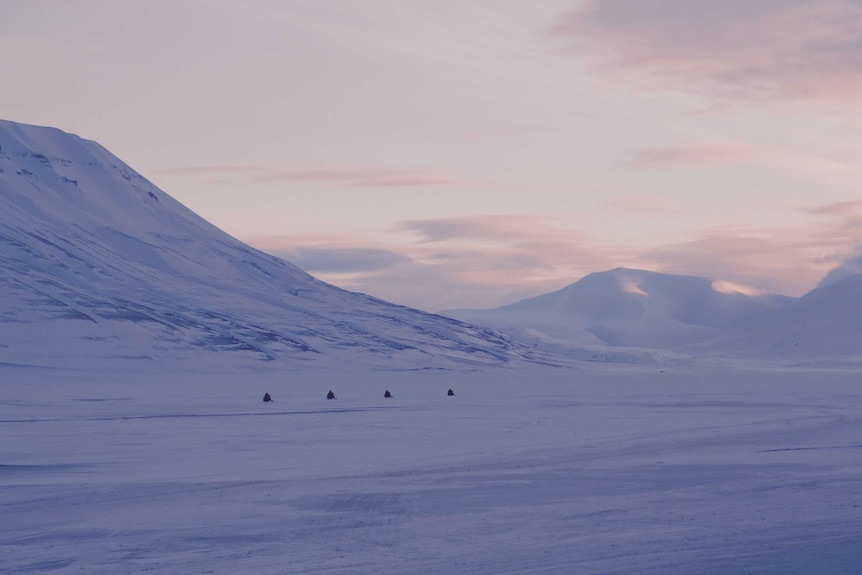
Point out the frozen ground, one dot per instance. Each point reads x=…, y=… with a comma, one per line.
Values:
x=524, y=471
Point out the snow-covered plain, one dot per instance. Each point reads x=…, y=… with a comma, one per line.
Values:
x=603, y=469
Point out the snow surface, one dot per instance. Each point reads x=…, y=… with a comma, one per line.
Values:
x=524, y=471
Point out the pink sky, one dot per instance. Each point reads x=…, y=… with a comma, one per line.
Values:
x=449, y=154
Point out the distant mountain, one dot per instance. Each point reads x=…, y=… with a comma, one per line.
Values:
x=627, y=308
x=823, y=327
x=100, y=265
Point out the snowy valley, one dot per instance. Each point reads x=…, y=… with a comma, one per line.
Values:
x=633, y=422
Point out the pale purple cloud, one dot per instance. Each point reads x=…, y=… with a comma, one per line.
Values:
x=818, y=164
x=491, y=260
x=847, y=218
x=484, y=227
x=642, y=205
x=340, y=260
x=194, y=171
x=364, y=178
x=850, y=267
x=411, y=275
x=686, y=156
x=763, y=49
x=849, y=210
x=842, y=223
x=476, y=261
x=344, y=177
x=790, y=259
x=768, y=262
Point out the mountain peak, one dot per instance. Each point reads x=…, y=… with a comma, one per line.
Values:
x=627, y=307
x=728, y=287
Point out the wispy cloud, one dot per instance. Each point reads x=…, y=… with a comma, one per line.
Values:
x=364, y=178
x=491, y=260
x=841, y=223
x=195, y=171
x=764, y=49
x=477, y=261
x=789, y=259
x=484, y=227
x=340, y=260
x=641, y=205
x=823, y=166
x=850, y=211
x=770, y=262
x=343, y=177
x=683, y=156
x=849, y=267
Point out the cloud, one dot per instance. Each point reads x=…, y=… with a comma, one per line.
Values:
x=762, y=50
x=494, y=245
x=849, y=211
x=787, y=260
x=344, y=177
x=485, y=227
x=849, y=226
x=693, y=155
x=490, y=260
x=821, y=166
x=850, y=267
x=459, y=276
x=768, y=262
x=533, y=252
x=477, y=261
x=841, y=223
x=514, y=251
x=641, y=205
x=340, y=259
x=364, y=178
x=193, y=171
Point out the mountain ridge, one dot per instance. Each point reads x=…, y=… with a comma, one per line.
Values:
x=643, y=316
x=631, y=308
x=99, y=264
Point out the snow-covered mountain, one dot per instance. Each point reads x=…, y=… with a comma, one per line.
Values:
x=823, y=327
x=627, y=308
x=640, y=316
x=99, y=264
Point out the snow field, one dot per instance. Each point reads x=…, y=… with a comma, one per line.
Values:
x=524, y=471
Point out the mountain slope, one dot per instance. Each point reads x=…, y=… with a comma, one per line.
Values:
x=822, y=327
x=98, y=263
x=630, y=308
